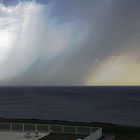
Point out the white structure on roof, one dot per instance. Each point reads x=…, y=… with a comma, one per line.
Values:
x=95, y=136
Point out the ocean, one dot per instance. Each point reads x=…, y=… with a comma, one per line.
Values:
x=119, y=105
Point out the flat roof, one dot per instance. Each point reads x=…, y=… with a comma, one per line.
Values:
x=63, y=136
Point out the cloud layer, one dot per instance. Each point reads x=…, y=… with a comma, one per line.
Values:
x=69, y=42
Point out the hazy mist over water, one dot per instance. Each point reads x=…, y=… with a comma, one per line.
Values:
x=120, y=105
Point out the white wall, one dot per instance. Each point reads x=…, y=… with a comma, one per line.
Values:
x=95, y=136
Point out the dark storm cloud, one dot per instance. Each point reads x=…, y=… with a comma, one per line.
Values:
x=111, y=25
x=119, y=27
x=113, y=28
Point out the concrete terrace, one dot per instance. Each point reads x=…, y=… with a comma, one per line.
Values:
x=6, y=135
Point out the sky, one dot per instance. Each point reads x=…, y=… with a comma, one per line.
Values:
x=69, y=42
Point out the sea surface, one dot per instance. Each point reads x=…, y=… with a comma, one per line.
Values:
x=119, y=105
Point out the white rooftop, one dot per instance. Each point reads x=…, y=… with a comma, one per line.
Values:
x=6, y=135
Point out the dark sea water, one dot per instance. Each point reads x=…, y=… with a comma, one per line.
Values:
x=120, y=105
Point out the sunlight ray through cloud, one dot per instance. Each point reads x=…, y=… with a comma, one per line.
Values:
x=29, y=34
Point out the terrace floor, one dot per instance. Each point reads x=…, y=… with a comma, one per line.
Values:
x=5, y=135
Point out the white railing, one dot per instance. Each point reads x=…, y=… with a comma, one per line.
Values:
x=23, y=127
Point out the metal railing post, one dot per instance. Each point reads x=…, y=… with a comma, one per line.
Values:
x=90, y=130
x=23, y=129
x=76, y=129
x=49, y=127
x=62, y=129
x=10, y=127
x=36, y=128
